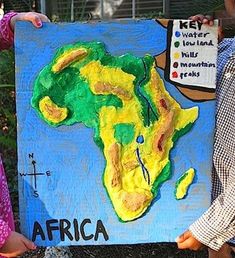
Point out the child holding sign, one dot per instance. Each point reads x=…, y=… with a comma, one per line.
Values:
x=12, y=243
x=216, y=227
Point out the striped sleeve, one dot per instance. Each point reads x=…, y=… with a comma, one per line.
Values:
x=217, y=225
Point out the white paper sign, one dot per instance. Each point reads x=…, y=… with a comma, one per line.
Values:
x=192, y=52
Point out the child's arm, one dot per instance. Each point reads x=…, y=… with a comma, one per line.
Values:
x=7, y=25
x=11, y=243
x=6, y=33
x=230, y=7
x=216, y=226
x=5, y=232
x=35, y=18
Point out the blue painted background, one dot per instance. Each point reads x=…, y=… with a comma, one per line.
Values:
x=74, y=189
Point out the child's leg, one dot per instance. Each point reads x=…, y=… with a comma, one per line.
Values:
x=224, y=252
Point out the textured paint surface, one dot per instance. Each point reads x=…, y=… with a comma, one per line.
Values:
x=133, y=172
x=73, y=190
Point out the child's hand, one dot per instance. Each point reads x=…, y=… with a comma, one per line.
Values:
x=35, y=18
x=205, y=19
x=188, y=241
x=15, y=245
x=209, y=20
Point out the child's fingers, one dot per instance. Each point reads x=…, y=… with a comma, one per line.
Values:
x=28, y=244
x=43, y=17
x=185, y=244
x=36, y=18
x=183, y=237
x=188, y=241
x=207, y=19
x=198, y=17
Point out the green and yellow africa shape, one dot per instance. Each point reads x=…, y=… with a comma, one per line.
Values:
x=135, y=120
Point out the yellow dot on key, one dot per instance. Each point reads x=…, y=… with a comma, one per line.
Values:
x=176, y=55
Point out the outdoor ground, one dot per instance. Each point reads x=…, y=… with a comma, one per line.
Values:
x=134, y=251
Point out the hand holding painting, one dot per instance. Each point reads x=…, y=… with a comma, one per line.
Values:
x=7, y=25
x=215, y=227
x=12, y=243
x=187, y=240
x=35, y=18
x=208, y=20
x=15, y=245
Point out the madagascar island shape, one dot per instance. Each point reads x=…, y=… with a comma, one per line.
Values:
x=183, y=183
x=135, y=120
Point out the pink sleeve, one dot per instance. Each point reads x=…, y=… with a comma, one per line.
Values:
x=5, y=232
x=6, y=33
x=6, y=216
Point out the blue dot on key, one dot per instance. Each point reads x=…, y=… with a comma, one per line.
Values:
x=177, y=34
x=140, y=139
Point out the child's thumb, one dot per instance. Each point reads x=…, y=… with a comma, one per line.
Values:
x=183, y=237
x=179, y=239
x=28, y=244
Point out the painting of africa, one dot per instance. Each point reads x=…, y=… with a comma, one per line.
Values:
x=115, y=130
